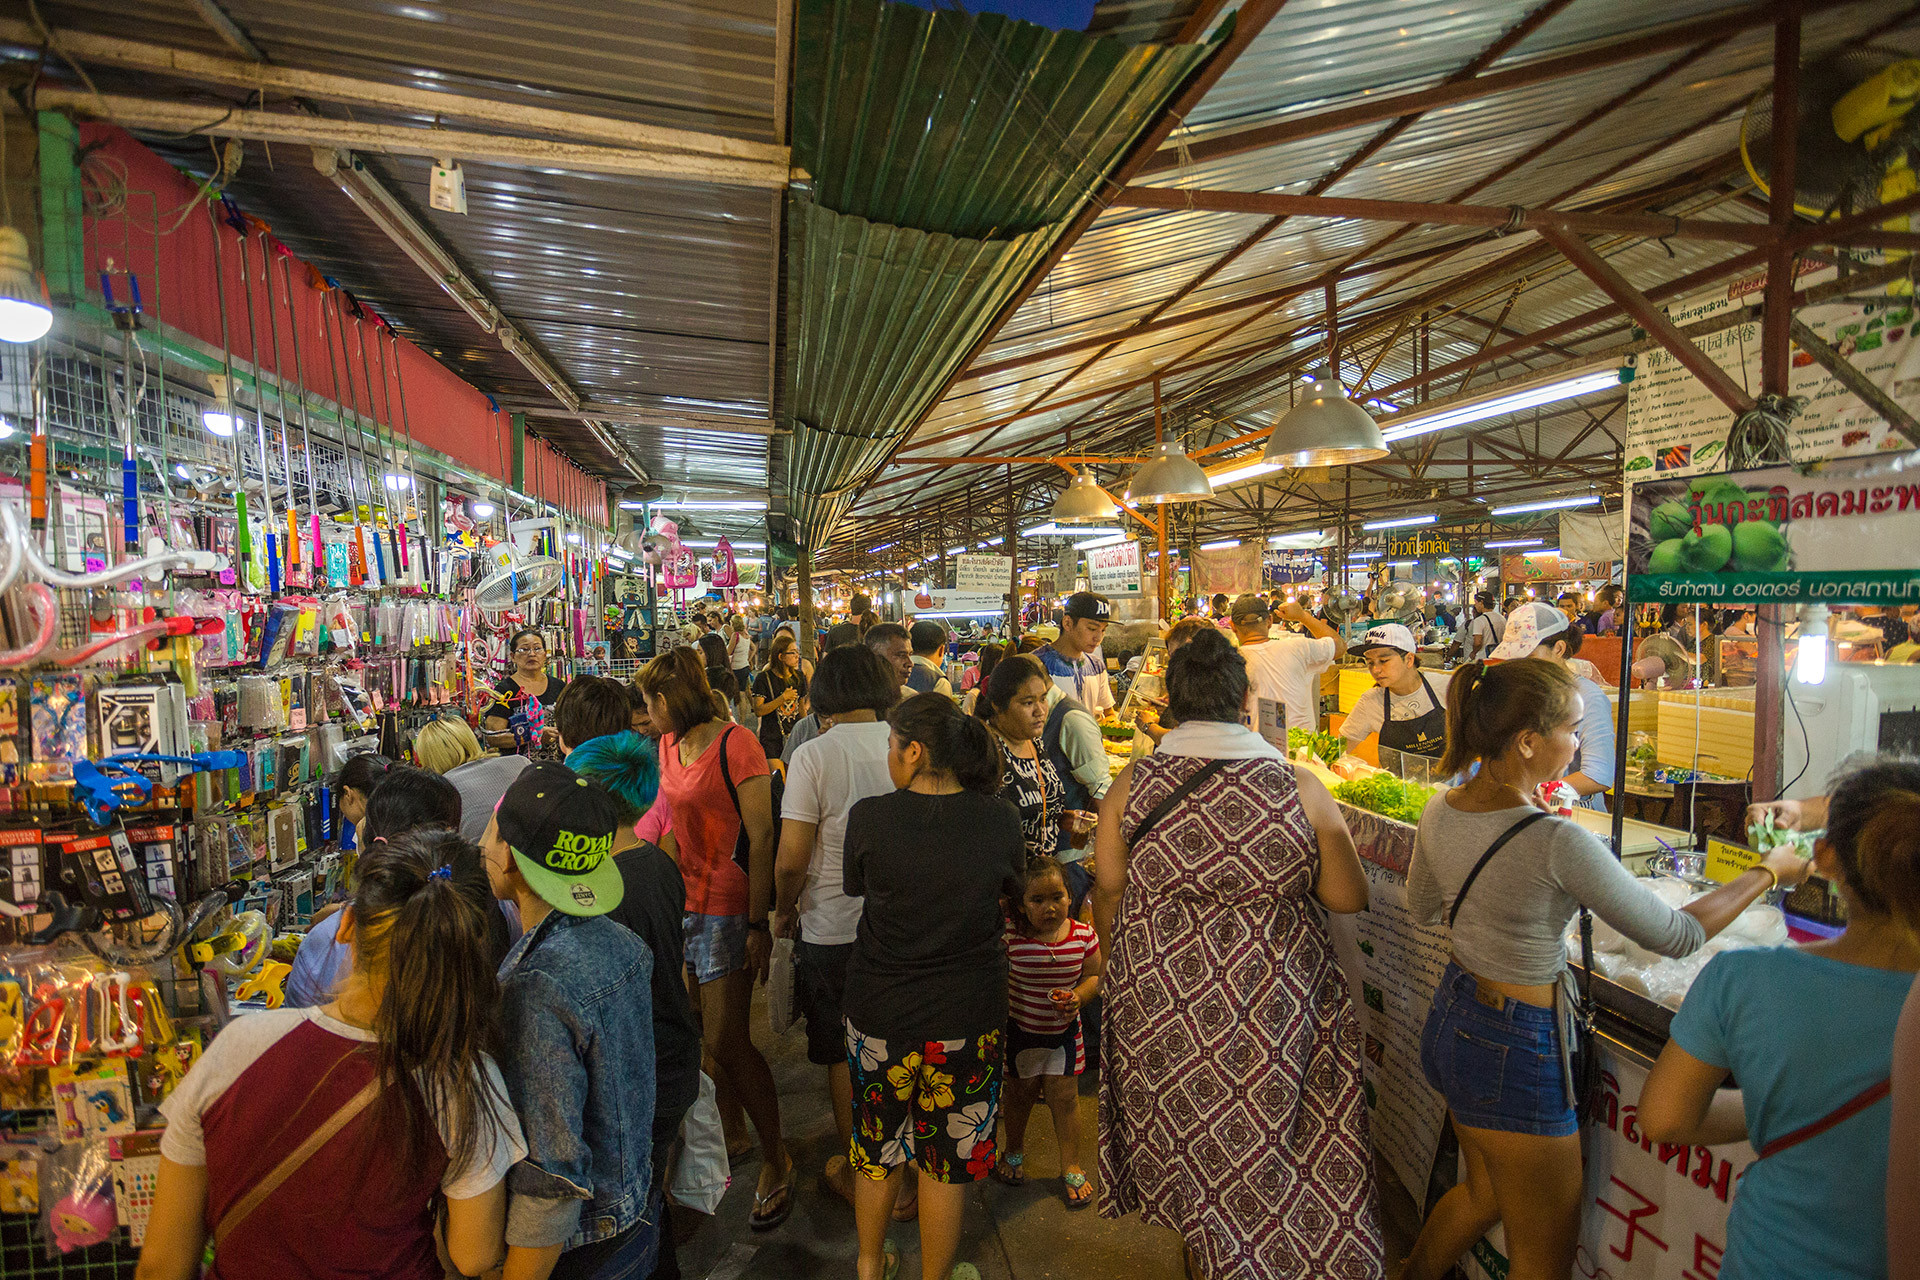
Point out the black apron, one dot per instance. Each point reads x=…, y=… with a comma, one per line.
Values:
x=1421, y=736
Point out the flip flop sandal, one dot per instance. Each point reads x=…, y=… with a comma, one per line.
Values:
x=890, y=1260
x=964, y=1271
x=762, y=1220
x=1077, y=1182
x=1015, y=1176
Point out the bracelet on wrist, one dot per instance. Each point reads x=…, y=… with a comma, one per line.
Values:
x=759, y=926
x=1773, y=878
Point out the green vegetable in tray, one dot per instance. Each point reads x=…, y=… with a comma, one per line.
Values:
x=1326, y=747
x=1388, y=796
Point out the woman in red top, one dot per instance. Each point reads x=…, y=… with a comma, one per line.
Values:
x=715, y=781
x=401, y=1057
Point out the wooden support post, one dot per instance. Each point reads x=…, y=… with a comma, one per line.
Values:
x=1012, y=544
x=803, y=571
x=1776, y=369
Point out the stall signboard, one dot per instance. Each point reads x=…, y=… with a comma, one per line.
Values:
x=1841, y=532
x=1676, y=426
x=1652, y=1210
x=1114, y=570
x=1413, y=546
x=963, y=602
x=1523, y=568
x=982, y=573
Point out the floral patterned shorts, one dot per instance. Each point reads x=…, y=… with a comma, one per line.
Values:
x=934, y=1103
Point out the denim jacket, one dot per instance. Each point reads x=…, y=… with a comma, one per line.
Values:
x=577, y=1015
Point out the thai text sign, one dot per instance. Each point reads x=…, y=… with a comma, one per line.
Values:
x=1525, y=568
x=982, y=573
x=1845, y=532
x=1114, y=570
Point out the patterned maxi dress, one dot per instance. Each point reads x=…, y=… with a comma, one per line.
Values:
x=1231, y=1104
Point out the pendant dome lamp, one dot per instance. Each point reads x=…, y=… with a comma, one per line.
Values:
x=1083, y=502
x=1325, y=429
x=1169, y=476
x=24, y=314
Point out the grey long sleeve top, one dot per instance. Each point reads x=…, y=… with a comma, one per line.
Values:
x=1511, y=926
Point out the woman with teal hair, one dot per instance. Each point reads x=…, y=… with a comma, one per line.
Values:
x=628, y=766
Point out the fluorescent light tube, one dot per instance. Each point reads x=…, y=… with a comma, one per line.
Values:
x=1551, y=504
x=1403, y=522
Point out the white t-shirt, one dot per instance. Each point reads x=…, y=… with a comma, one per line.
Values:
x=1286, y=670
x=1366, y=717
x=741, y=655
x=825, y=779
x=1490, y=628
x=248, y=1037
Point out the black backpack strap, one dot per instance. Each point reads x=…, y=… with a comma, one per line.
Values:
x=1487, y=857
x=1173, y=798
x=740, y=843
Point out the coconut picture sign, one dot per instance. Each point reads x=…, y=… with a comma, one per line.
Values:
x=1842, y=532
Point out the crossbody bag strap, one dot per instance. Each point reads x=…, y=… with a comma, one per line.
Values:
x=1174, y=797
x=1487, y=857
x=1845, y=1111
x=295, y=1158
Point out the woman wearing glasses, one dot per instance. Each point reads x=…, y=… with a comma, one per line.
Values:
x=518, y=719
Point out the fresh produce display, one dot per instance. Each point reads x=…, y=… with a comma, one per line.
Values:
x=1735, y=529
x=1326, y=747
x=1116, y=732
x=1384, y=794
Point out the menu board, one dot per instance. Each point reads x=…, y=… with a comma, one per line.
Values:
x=1677, y=427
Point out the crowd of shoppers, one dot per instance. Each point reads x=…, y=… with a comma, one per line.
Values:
x=538, y=961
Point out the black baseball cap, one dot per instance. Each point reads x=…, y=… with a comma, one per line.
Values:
x=560, y=828
x=1089, y=606
x=1250, y=606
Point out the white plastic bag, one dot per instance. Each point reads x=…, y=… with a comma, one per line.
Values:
x=700, y=1175
x=780, y=1010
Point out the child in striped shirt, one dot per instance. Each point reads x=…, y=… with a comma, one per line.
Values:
x=1053, y=968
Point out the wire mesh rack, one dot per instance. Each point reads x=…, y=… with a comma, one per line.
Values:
x=24, y=1256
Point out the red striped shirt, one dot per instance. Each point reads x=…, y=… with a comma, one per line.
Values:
x=1035, y=968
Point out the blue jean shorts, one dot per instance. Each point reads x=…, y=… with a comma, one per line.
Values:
x=716, y=945
x=1498, y=1068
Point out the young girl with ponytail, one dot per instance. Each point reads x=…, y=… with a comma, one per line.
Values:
x=1808, y=1032
x=1505, y=879
x=317, y=1142
x=926, y=990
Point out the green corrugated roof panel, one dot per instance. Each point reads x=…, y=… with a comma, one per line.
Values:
x=975, y=125
x=878, y=316
x=947, y=152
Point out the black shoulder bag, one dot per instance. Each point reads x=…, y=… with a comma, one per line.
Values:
x=1584, y=1067
x=1174, y=797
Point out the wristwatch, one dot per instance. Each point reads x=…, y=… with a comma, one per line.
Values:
x=760, y=926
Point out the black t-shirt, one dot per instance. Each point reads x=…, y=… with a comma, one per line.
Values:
x=930, y=959
x=653, y=904
x=524, y=713
x=774, y=728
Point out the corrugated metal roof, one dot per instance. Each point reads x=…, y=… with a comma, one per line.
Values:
x=643, y=292
x=1315, y=56
x=946, y=151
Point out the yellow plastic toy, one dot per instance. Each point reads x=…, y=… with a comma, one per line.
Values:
x=270, y=984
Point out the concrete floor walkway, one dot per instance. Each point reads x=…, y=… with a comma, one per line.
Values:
x=1010, y=1233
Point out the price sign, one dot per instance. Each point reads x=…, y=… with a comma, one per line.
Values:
x=1725, y=861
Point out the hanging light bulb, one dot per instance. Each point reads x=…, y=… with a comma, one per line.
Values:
x=396, y=482
x=1810, y=662
x=1083, y=501
x=6, y=428
x=218, y=416
x=1325, y=429
x=481, y=509
x=1169, y=476
x=24, y=314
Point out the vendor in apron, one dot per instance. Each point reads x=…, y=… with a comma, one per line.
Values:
x=1403, y=707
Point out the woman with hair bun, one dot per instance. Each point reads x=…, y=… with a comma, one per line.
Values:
x=1808, y=1031
x=926, y=989
x=400, y=1061
x=1217, y=846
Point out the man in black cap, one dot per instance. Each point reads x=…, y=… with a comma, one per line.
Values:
x=576, y=1015
x=1074, y=659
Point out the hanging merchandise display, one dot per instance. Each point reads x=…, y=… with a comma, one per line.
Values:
x=201, y=621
